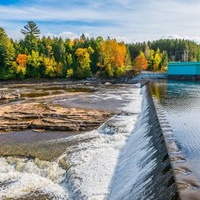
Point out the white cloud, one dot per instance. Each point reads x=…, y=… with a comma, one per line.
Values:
x=174, y=36
x=131, y=20
x=63, y=35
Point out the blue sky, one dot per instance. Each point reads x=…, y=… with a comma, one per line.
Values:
x=127, y=20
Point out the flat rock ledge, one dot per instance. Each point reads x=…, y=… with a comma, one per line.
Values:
x=40, y=116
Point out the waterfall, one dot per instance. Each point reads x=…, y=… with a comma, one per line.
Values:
x=30, y=178
x=143, y=170
x=125, y=158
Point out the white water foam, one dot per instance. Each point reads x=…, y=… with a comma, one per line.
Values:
x=93, y=162
x=134, y=163
x=19, y=177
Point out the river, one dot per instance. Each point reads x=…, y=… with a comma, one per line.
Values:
x=60, y=164
x=178, y=105
x=124, y=158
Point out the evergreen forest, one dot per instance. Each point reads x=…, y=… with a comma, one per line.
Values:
x=45, y=57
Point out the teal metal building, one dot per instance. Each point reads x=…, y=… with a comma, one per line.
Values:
x=184, y=70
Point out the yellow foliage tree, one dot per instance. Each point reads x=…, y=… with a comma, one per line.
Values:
x=83, y=58
x=70, y=73
x=113, y=57
x=52, y=68
x=157, y=60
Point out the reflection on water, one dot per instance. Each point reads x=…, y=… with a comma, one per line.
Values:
x=158, y=89
x=39, y=94
x=33, y=144
x=17, y=92
x=180, y=103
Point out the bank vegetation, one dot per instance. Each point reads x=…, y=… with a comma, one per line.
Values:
x=80, y=58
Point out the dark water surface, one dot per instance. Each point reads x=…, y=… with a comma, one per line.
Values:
x=180, y=104
x=33, y=144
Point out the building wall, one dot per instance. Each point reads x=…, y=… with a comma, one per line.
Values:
x=184, y=68
x=198, y=70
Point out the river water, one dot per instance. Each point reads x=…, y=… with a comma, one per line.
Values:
x=178, y=104
x=53, y=165
x=125, y=158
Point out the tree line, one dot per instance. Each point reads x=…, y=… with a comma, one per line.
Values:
x=155, y=55
x=43, y=57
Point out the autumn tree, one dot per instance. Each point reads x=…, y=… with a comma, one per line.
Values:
x=35, y=65
x=69, y=44
x=157, y=60
x=18, y=69
x=69, y=59
x=140, y=62
x=52, y=68
x=54, y=57
x=151, y=60
x=83, y=58
x=121, y=57
x=113, y=57
x=10, y=56
x=69, y=73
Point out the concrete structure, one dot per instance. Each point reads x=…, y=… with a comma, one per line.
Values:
x=149, y=75
x=184, y=70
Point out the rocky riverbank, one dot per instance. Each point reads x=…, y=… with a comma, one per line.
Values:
x=43, y=116
x=45, y=113
x=31, y=106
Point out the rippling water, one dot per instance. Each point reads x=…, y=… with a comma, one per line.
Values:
x=180, y=104
x=50, y=165
x=125, y=158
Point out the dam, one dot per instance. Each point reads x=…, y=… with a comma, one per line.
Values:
x=131, y=155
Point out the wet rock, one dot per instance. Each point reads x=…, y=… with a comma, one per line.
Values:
x=39, y=116
x=8, y=96
x=107, y=83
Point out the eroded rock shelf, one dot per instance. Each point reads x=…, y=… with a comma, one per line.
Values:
x=42, y=116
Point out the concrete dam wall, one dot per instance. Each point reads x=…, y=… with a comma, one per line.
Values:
x=146, y=159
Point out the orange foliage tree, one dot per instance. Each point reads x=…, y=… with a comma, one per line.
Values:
x=113, y=57
x=140, y=62
x=21, y=60
x=21, y=64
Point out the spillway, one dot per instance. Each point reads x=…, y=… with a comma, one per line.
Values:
x=143, y=170
x=125, y=158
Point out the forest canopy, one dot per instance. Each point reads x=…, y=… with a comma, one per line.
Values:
x=42, y=57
